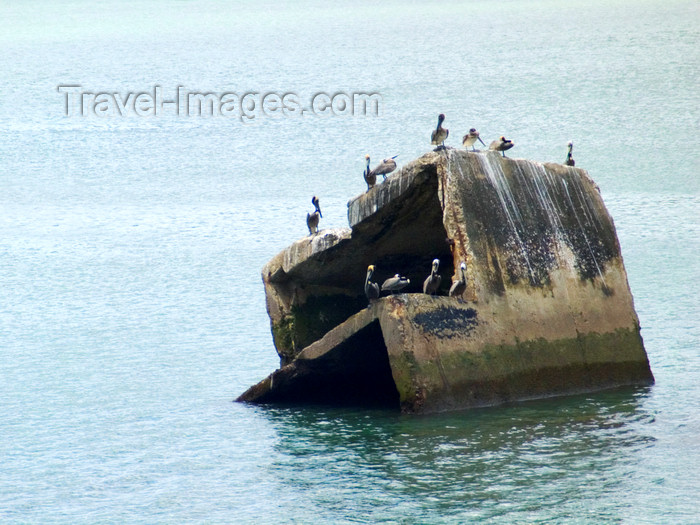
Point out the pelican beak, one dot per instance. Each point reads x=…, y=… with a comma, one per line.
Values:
x=394, y=156
x=481, y=141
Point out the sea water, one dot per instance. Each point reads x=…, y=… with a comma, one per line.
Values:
x=132, y=311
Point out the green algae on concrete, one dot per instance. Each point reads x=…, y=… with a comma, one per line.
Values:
x=404, y=368
x=308, y=323
x=527, y=369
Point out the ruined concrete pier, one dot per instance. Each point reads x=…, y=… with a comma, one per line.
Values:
x=547, y=310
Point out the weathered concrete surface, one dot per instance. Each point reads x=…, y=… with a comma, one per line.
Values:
x=429, y=354
x=301, y=303
x=318, y=281
x=349, y=364
x=446, y=355
x=548, y=309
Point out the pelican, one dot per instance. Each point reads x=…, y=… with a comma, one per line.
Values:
x=459, y=287
x=569, y=159
x=370, y=178
x=395, y=284
x=432, y=282
x=502, y=145
x=371, y=289
x=439, y=134
x=470, y=138
x=386, y=166
x=313, y=218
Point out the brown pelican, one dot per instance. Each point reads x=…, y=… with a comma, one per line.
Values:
x=459, y=287
x=432, y=282
x=569, y=159
x=470, y=138
x=370, y=177
x=385, y=166
x=502, y=145
x=313, y=218
x=395, y=284
x=371, y=289
x=439, y=134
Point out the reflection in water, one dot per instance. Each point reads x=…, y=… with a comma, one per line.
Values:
x=466, y=465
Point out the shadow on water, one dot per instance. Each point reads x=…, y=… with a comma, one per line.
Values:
x=551, y=456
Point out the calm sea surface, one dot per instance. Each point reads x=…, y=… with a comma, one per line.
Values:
x=131, y=306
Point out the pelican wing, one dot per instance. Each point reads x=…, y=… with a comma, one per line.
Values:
x=390, y=283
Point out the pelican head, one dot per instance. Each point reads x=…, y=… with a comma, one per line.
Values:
x=436, y=264
x=569, y=157
x=441, y=118
x=503, y=139
x=463, y=266
x=315, y=202
x=370, y=269
x=472, y=130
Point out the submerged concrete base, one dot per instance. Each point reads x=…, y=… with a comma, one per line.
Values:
x=428, y=354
